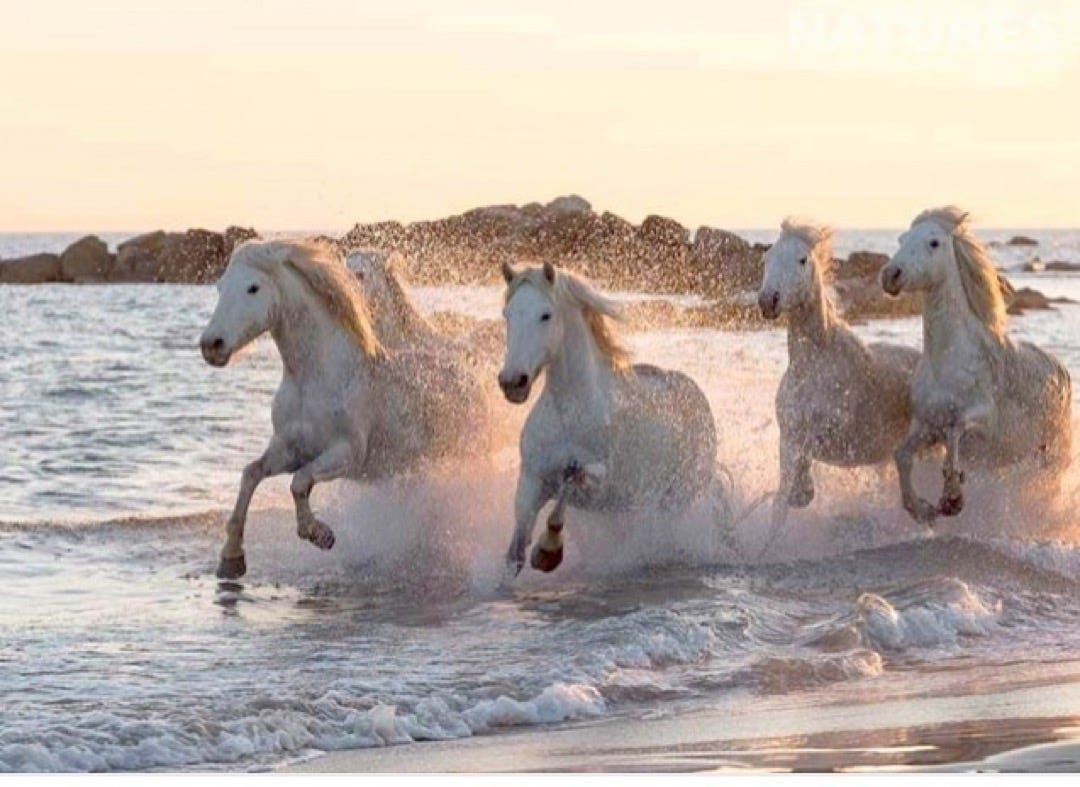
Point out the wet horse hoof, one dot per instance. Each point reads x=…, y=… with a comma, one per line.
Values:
x=545, y=560
x=232, y=567
x=321, y=536
x=951, y=506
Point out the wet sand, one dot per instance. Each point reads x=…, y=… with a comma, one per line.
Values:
x=1033, y=728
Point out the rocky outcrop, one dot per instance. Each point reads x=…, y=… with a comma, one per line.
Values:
x=658, y=255
x=192, y=257
x=87, y=260
x=35, y=269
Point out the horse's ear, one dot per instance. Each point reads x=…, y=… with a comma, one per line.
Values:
x=508, y=271
x=549, y=272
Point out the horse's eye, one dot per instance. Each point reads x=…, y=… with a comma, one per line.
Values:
x=802, y=261
x=934, y=243
x=254, y=288
x=545, y=316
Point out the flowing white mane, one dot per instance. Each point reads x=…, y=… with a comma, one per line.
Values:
x=599, y=311
x=322, y=268
x=819, y=237
x=982, y=285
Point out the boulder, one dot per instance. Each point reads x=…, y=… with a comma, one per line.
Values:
x=1026, y=298
x=711, y=243
x=86, y=260
x=1062, y=267
x=193, y=257
x=1022, y=240
x=35, y=269
x=137, y=258
x=234, y=236
x=570, y=203
x=861, y=264
x=662, y=230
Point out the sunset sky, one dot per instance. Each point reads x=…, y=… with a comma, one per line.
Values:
x=126, y=114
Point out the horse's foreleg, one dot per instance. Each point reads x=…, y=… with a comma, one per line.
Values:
x=548, y=552
x=332, y=463
x=952, y=494
x=921, y=511
x=528, y=500
x=796, y=483
x=276, y=459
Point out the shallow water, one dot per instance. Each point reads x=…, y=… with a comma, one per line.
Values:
x=119, y=650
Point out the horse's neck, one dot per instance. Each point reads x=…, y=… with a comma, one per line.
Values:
x=580, y=380
x=308, y=338
x=810, y=327
x=951, y=332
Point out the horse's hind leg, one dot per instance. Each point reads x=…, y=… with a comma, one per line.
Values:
x=276, y=459
x=330, y=464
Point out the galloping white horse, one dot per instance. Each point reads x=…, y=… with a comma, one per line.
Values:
x=346, y=406
x=604, y=435
x=398, y=321
x=989, y=400
x=841, y=401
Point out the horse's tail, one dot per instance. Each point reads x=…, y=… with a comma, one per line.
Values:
x=722, y=501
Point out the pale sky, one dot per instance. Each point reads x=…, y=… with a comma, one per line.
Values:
x=135, y=114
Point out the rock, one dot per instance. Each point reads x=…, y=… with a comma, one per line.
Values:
x=1062, y=267
x=711, y=243
x=662, y=230
x=193, y=257
x=1026, y=298
x=86, y=260
x=861, y=264
x=234, y=236
x=1022, y=240
x=571, y=203
x=137, y=258
x=863, y=299
x=35, y=269
x=384, y=234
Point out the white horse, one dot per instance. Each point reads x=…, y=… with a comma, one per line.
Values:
x=990, y=401
x=346, y=406
x=399, y=322
x=604, y=435
x=841, y=401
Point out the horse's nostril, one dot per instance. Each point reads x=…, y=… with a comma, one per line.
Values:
x=217, y=344
x=521, y=381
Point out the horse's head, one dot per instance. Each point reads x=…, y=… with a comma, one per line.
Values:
x=792, y=266
x=926, y=251
x=534, y=329
x=247, y=302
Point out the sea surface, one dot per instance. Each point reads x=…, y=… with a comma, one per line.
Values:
x=120, y=452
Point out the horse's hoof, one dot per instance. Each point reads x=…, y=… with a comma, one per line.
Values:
x=951, y=506
x=801, y=498
x=232, y=567
x=545, y=560
x=923, y=513
x=321, y=536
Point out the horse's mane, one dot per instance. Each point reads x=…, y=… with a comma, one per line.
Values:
x=819, y=237
x=600, y=312
x=322, y=268
x=978, y=274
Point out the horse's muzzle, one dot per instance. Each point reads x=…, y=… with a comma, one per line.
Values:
x=213, y=351
x=769, y=303
x=515, y=387
x=892, y=280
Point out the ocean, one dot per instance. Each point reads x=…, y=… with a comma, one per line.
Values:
x=120, y=451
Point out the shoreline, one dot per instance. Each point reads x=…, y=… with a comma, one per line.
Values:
x=1031, y=728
